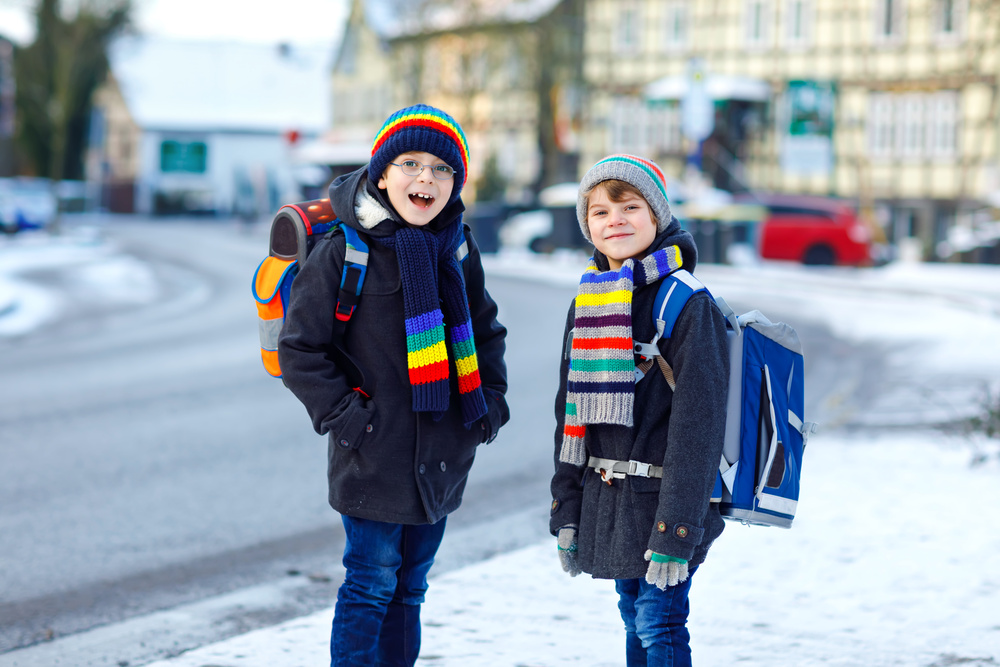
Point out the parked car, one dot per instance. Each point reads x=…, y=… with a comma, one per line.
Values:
x=26, y=203
x=812, y=230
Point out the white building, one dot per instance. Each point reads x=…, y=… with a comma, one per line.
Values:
x=185, y=126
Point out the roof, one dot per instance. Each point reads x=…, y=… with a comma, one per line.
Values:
x=212, y=86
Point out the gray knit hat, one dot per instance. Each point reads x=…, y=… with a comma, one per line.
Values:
x=645, y=175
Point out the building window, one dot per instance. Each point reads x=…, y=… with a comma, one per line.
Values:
x=799, y=22
x=628, y=126
x=627, y=39
x=664, y=127
x=910, y=112
x=949, y=19
x=942, y=139
x=675, y=33
x=756, y=22
x=913, y=125
x=890, y=20
x=645, y=128
x=514, y=68
x=880, y=127
x=183, y=157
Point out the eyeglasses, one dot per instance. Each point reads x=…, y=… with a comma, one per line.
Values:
x=414, y=168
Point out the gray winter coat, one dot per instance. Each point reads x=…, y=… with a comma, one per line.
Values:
x=386, y=462
x=682, y=431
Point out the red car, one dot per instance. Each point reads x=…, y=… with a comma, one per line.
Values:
x=812, y=230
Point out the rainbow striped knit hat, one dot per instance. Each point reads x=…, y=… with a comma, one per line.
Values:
x=644, y=174
x=421, y=128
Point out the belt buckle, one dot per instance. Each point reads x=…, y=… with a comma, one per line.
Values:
x=638, y=468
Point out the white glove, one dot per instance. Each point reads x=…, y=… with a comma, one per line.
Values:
x=665, y=571
x=566, y=544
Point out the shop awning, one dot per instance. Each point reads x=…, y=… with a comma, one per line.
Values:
x=718, y=86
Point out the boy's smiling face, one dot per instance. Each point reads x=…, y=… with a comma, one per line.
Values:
x=418, y=199
x=621, y=230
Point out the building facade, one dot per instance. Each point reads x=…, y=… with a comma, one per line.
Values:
x=892, y=103
x=508, y=71
x=205, y=127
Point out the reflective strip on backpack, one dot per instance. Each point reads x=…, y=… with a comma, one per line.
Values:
x=355, y=255
x=269, y=331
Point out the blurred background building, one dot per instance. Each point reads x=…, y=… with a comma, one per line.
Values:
x=197, y=127
x=889, y=105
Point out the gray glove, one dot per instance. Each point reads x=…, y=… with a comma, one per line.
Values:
x=665, y=571
x=566, y=544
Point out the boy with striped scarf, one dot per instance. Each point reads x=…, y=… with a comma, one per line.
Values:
x=426, y=339
x=635, y=460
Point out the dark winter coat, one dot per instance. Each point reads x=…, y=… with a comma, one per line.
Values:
x=682, y=431
x=386, y=462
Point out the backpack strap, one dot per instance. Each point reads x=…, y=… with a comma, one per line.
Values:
x=671, y=297
x=353, y=276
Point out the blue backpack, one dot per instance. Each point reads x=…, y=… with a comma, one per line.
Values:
x=758, y=480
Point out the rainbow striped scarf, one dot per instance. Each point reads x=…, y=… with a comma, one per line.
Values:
x=431, y=278
x=600, y=388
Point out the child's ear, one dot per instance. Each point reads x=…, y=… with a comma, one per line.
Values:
x=382, y=185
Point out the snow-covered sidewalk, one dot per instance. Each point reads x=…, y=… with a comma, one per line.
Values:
x=894, y=560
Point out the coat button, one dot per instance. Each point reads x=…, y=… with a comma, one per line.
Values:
x=681, y=532
x=662, y=527
x=444, y=466
x=344, y=443
x=422, y=469
x=368, y=429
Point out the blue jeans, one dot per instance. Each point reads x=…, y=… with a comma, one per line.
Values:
x=377, y=618
x=656, y=633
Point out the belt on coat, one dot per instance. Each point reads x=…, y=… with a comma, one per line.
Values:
x=610, y=469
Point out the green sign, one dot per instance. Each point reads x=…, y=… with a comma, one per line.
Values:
x=811, y=108
x=807, y=143
x=183, y=156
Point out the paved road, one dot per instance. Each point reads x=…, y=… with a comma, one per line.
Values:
x=148, y=462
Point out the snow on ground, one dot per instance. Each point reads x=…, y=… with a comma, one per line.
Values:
x=89, y=270
x=892, y=561
x=894, y=558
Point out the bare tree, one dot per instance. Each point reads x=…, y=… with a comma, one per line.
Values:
x=56, y=78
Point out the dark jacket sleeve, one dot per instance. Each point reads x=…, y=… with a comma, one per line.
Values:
x=491, y=343
x=698, y=353
x=304, y=348
x=567, y=481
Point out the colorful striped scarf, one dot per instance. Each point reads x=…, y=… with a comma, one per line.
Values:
x=431, y=278
x=601, y=385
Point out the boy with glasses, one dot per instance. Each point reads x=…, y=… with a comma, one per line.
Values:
x=426, y=332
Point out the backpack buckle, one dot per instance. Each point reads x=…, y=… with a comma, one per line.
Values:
x=343, y=312
x=638, y=468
